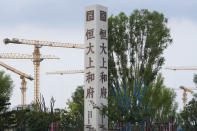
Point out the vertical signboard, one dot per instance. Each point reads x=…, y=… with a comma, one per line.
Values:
x=96, y=67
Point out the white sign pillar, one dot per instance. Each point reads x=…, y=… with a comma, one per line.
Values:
x=96, y=67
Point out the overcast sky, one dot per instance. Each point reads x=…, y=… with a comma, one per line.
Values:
x=63, y=21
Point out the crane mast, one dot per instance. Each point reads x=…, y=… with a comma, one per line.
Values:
x=23, y=82
x=36, y=62
x=23, y=92
x=36, y=56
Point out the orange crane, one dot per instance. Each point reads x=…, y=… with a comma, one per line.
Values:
x=185, y=90
x=32, y=57
x=23, y=83
x=36, y=55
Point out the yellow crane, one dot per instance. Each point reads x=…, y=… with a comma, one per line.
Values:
x=31, y=57
x=185, y=90
x=182, y=68
x=36, y=55
x=65, y=72
x=23, y=82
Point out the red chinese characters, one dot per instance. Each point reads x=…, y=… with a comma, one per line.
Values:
x=96, y=66
x=90, y=15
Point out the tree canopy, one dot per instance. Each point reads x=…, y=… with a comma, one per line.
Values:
x=73, y=116
x=189, y=115
x=137, y=42
x=136, y=45
x=6, y=86
x=195, y=79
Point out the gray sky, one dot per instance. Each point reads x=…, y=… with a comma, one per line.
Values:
x=63, y=21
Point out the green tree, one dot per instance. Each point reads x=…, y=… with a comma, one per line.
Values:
x=195, y=79
x=39, y=121
x=137, y=42
x=157, y=105
x=161, y=105
x=6, y=86
x=74, y=115
x=40, y=117
x=189, y=115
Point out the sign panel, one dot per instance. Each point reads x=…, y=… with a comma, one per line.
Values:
x=96, y=67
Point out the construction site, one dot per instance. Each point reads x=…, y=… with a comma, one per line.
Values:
x=98, y=72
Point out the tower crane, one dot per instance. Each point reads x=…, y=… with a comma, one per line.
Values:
x=36, y=55
x=31, y=57
x=65, y=72
x=185, y=90
x=23, y=82
x=182, y=68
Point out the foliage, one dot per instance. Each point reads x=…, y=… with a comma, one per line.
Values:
x=7, y=120
x=138, y=42
x=39, y=121
x=34, y=117
x=189, y=115
x=40, y=117
x=156, y=106
x=161, y=105
x=6, y=86
x=74, y=115
x=3, y=103
x=195, y=79
x=19, y=119
x=33, y=120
